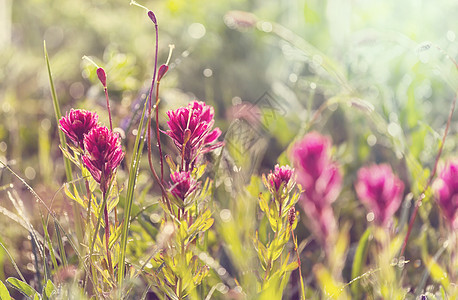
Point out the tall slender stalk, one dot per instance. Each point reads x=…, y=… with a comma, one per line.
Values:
x=134, y=167
x=107, y=235
x=419, y=201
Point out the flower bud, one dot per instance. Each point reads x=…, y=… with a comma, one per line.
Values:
x=291, y=216
x=152, y=17
x=162, y=70
x=102, y=76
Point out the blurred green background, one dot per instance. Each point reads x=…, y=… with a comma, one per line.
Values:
x=383, y=64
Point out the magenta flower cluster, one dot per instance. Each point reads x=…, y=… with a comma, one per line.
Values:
x=101, y=148
x=280, y=180
x=446, y=191
x=321, y=180
x=380, y=191
x=182, y=184
x=280, y=177
x=103, y=154
x=191, y=130
x=77, y=123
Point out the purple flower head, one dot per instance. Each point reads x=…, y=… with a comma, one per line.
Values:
x=380, y=191
x=280, y=179
x=103, y=154
x=321, y=180
x=182, y=185
x=446, y=191
x=191, y=131
x=316, y=172
x=77, y=123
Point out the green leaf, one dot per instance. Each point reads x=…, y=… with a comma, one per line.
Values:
x=75, y=197
x=437, y=273
x=116, y=233
x=48, y=241
x=67, y=163
x=359, y=260
x=61, y=244
x=70, y=156
x=48, y=289
x=291, y=267
x=4, y=294
x=133, y=174
x=22, y=287
x=113, y=197
x=330, y=288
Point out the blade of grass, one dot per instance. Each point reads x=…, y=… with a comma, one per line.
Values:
x=53, y=215
x=61, y=245
x=13, y=262
x=4, y=294
x=136, y=155
x=48, y=241
x=67, y=162
x=35, y=258
x=358, y=261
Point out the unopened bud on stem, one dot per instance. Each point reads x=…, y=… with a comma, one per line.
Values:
x=102, y=76
x=162, y=70
x=152, y=16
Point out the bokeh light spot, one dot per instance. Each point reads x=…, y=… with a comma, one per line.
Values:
x=196, y=30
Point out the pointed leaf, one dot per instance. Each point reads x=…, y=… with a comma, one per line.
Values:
x=22, y=287
x=437, y=273
x=4, y=294
x=48, y=289
x=359, y=260
x=76, y=197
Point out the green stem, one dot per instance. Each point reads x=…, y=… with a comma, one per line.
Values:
x=107, y=236
x=180, y=279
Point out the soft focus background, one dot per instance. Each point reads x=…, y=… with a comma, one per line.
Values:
x=381, y=66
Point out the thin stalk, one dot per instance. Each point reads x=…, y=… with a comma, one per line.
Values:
x=431, y=177
x=298, y=264
x=13, y=262
x=89, y=230
x=89, y=212
x=60, y=243
x=107, y=234
x=158, y=132
x=433, y=173
x=150, y=110
x=67, y=162
x=108, y=107
x=34, y=251
x=57, y=113
x=180, y=279
x=150, y=105
x=136, y=156
x=97, y=226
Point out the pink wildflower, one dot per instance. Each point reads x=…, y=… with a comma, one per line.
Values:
x=446, y=191
x=103, y=154
x=380, y=191
x=321, y=180
x=77, y=123
x=182, y=185
x=316, y=172
x=191, y=131
x=280, y=180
